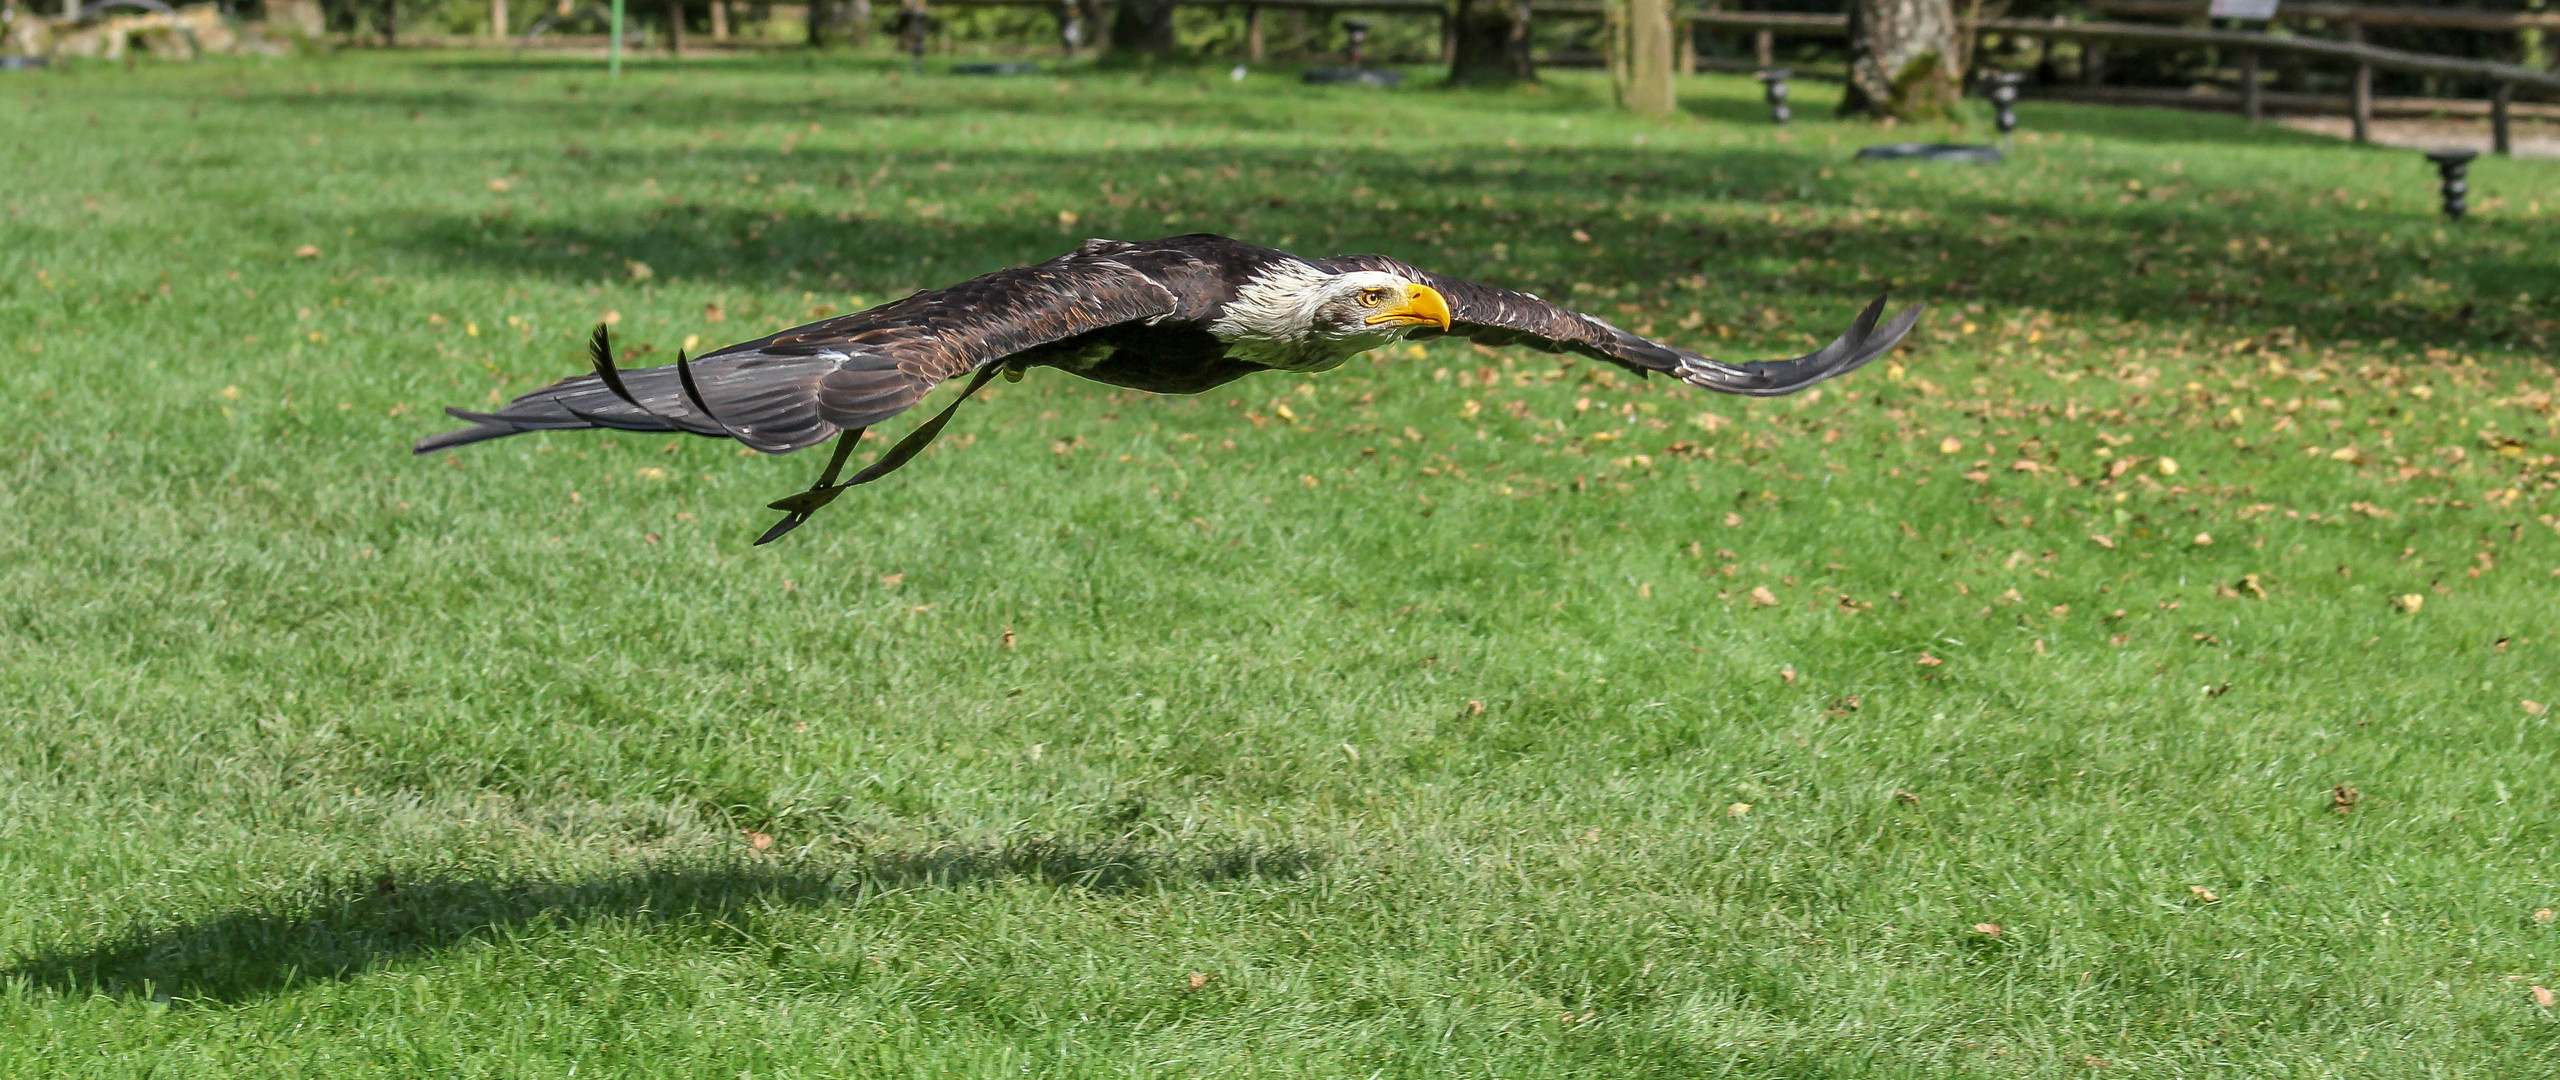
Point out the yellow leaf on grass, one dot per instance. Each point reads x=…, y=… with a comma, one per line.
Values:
x=1762, y=597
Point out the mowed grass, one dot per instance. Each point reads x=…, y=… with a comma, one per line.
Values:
x=1456, y=713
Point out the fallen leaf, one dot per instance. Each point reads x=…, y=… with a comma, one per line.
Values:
x=1951, y=445
x=1762, y=597
x=2168, y=466
x=1787, y=675
x=1732, y=521
x=2409, y=602
x=2544, y=916
x=892, y=579
x=759, y=841
x=1987, y=929
x=2342, y=798
x=499, y=184
x=1842, y=707
x=1475, y=708
x=1927, y=660
x=649, y=537
x=306, y=251
x=2542, y=996
x=1737, y=810
x=2104, y=542
x=2204, y=894
x=2204, y=539
x=1906, y=798
x=1199, y=979
x=2533, y=708
x=1007, y=639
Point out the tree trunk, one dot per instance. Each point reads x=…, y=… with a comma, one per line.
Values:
x=1490, y=43
x=1097, y=30
x=675, y=27
x=1142, y=29
x=1903, y=60
x=1650, y=48
x=821, y=23
x=498, y=19
x=719, y=19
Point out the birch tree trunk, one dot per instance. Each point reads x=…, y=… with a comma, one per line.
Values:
x=1645, y=85
x=1904, y=61
x=1489, y=43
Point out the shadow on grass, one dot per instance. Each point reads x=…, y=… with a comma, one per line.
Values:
x=338, y=929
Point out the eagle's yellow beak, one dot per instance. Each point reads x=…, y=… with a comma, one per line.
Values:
x=1422, y=306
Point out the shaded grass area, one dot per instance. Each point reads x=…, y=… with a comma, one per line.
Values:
x=1457, y=712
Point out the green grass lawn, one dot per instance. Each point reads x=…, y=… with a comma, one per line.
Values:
x=1457, y=713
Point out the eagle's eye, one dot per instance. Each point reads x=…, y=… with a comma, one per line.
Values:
x=1372, y=296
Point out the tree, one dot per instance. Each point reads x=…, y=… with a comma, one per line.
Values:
x=1904, y=60
x=1142, y=29
x=1642, y=55
x=1489, y=43
x=839, y=22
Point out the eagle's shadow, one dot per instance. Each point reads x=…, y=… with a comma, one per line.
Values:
x=341, y=927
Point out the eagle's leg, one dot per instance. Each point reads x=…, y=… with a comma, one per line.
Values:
x=802, y=505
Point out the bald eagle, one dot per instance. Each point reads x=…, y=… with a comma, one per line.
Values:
x=1172, y=316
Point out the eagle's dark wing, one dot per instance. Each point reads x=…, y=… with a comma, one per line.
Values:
x=1492, y=316
x=799, y=387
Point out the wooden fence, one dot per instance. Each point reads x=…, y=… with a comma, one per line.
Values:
x=2360, y=58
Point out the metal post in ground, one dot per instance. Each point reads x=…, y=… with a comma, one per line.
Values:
x=613, y=50
x=2451, y=165
x=2250, y=105
x=2501, y=134
x=2363, y=107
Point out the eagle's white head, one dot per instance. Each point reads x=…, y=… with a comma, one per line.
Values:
x=1296, y=317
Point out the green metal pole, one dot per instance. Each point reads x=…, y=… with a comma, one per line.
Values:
x=613, y=52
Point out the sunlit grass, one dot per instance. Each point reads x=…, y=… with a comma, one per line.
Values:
x=1456, y=713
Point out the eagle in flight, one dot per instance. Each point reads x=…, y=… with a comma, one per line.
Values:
x=1172, y=316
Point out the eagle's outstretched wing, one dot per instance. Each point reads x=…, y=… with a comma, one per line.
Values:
x=1493, y=316
x=799, y=387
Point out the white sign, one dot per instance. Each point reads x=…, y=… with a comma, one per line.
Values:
x=2261, y=10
